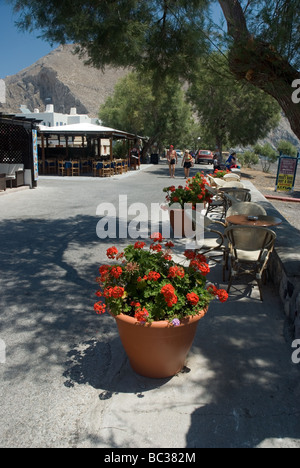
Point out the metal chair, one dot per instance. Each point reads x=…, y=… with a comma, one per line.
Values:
x=214, y=242
x=233, y=195
x=231, y=177
x=246, y=208
x=219, y=182
x=217, y=203
x=233, y=184
x=250, y=248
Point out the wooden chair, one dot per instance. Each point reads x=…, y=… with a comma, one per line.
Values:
x=51, y=166
x=96, y=168
x=118, y=167
x=75, y=170
x=125, y=165
x=62, y=170
x=101, y=169
x=250, y=248
x=108, y=170
x=85, y=167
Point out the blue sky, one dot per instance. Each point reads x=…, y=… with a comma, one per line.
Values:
x=17, y=50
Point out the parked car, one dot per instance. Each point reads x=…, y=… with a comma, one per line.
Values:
x=204, y=157
x=179, y=153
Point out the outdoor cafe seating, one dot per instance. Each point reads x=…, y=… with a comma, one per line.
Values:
x=76, y=167
x=249, y=250
x=102, y=169
x=51, y=166
x=243, y=241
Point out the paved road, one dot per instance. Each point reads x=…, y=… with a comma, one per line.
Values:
x=66, y=381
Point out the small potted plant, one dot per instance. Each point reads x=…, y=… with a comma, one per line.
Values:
x=156, y=303
x=195, y=192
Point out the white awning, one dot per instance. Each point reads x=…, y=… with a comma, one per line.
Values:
x=86, y=129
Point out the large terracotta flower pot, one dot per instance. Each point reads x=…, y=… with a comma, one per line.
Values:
x=177, y=222
x=157, y=350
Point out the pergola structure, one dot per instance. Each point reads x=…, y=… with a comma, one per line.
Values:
x=87, y=132
x=17, y=137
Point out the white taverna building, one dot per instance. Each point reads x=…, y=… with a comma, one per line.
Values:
x=54, y=119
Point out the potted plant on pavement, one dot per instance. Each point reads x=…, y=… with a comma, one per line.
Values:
x=156, y=303
x=194, y=193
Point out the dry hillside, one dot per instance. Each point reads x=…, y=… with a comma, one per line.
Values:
x=62, y=77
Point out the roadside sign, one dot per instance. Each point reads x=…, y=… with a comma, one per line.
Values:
x=35, y=155
x=286, y=174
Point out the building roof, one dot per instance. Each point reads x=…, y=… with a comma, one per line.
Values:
x=14, y=119
x=87, y=129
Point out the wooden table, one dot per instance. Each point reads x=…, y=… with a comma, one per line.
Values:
x=262, y=220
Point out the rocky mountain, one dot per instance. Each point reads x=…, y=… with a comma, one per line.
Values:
x=62, y=79
x=282, y=132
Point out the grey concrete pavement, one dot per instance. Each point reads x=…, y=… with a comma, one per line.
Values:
x=66, y=381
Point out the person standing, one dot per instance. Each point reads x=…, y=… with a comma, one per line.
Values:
x=187, y=162
x=172, y=160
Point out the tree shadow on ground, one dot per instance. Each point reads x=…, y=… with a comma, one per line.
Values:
x=252, y=389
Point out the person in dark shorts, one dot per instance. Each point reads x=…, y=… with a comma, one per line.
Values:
x=172, y=160
x=187, y=163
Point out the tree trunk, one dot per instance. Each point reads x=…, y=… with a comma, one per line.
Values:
x=260, y=64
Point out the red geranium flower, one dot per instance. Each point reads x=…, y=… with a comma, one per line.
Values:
x=153, y=276
x=192, y=298
x=176, y=271
x=141, y=314
x=112, y=252
x=169, y=244
x=156, y=237
x=99, y=308
x=222, y=295
x=139, y=245
x=116, y=272
x=156, y=248
x=117, y=292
